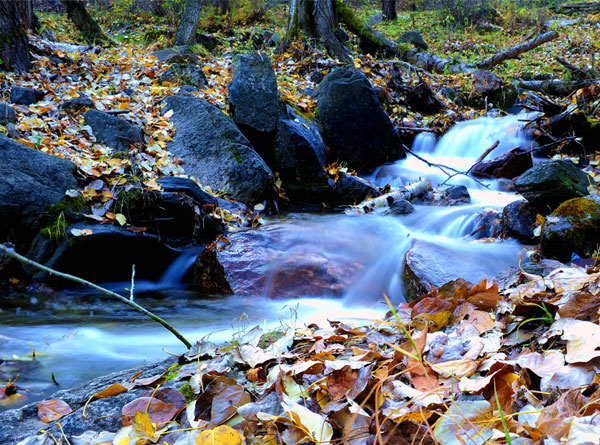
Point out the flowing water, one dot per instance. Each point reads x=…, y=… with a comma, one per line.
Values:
x=335, y=266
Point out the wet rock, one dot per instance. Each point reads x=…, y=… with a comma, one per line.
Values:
x=186, y=74
x=508, y=165
x=354, y=125
x=453, y=195
x=574, y=227
x=300, y=157
x=215, y=151
x=188, y=187
x=288, y=268
x=7, y=114
x=113, y=131
x=101, y=252
x=400, y=207
x=427, y=264
x=518, y=221
x=550, y=183
x=487, y=225
x=25, y=96
x=172, y=214
x=209, y=274
x=351, y=189
x=102, y=414
x=76, y=104
x=30, y=181
x=253, y=100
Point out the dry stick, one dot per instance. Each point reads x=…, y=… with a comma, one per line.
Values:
x=11, y=252
x=513, y=52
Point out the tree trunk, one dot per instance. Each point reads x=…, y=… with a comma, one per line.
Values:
x=388, y=8
x=317, y=20
x=26, y=15
x=14, y=53
x=186, y=31
x=84, y=21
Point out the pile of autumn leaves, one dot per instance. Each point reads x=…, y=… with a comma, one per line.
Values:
x=464, y=364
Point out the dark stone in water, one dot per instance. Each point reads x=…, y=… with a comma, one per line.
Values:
x=508, y=165
x=351, y=189
x=518, y=221
x=209, y=274
x=550, y=183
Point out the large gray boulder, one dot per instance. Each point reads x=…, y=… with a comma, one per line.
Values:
x=300, y=157
x=215, y=151
x=25, y=96
x=253, y=93
x=518, y=221
x=114, y=131
x=550, y=183
x=30, y=181
x=354, y=125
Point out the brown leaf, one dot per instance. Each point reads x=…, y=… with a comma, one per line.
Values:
x=225, y=403
x=552, y=418
x=158, y=411
x=51, y=410
x=339, y=383
x=582, y=306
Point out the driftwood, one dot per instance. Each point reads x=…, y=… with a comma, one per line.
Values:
x=554, y=87
x=8, y=251
x=578, y=73
x=408, y=192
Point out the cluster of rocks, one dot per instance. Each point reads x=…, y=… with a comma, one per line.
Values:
x=236, y=155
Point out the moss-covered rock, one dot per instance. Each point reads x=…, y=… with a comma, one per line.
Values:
x=574, y=227
x=548, y=184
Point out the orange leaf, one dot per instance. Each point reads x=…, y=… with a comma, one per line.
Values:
x=50, y=410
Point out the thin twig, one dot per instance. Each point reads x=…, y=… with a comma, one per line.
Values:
x=11, y=252
x=443, y=169
x=131, y=290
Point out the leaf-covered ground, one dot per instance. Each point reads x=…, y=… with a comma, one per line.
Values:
x=510, y=362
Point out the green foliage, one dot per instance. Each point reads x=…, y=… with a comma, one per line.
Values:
x=60, y=215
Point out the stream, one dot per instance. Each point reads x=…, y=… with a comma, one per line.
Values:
x=78, y=335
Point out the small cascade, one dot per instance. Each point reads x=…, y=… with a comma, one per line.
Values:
x=174, y=275
x=458, y=149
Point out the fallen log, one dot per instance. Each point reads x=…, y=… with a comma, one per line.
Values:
x=554, y=87
x=577, y=7
x=513, y=52
x=407, y=192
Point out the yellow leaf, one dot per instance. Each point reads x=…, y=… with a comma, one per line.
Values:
x=221, y=435
x=143, y=424
x=121, y=218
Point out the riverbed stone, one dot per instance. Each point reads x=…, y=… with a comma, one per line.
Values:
x=215, y=151
x=113, y=131
x=25, y=96
x=573, y=228
x=30, y=182
x=187, y=74
x=354, y=125
x=209, y=274
x=550, y=183
x=300, y=157
x=428, y=264
x=77, y=103
x=518, y=221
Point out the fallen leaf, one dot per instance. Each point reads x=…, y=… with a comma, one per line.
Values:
x=50, y=410
x=221, y=435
